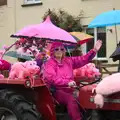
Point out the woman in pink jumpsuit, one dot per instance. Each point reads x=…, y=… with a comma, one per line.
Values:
x=58, y=72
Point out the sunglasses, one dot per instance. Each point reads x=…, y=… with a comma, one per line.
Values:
x=59, y=49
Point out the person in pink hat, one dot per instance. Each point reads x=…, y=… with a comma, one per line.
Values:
x=58, y=73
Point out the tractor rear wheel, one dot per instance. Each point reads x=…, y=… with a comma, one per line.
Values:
x=14, y=106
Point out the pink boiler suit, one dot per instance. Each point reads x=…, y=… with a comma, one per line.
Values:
x=57, y=74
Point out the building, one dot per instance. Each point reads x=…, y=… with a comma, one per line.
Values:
x=15, y=14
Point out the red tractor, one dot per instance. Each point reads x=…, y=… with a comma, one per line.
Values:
x=30, y=99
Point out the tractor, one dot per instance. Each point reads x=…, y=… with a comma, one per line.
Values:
x=30, y=99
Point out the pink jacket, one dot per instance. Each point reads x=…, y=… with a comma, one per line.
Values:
x=61, y=74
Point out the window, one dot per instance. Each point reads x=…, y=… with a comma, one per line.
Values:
x=32, y=1
x=98, y=33
x=3, y=2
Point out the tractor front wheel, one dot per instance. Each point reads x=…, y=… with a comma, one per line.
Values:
x=14, y=106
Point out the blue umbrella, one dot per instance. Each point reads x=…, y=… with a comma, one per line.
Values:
x=106, y=19
x=109, y=18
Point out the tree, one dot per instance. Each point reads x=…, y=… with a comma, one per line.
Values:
x=64, y=20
